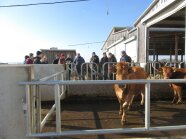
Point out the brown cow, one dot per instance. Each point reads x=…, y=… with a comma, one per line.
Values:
x=174, y=73
x=126, y=92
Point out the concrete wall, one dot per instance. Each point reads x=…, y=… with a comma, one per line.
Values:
x=43, y=70
x=158, y=91
x=12, y=119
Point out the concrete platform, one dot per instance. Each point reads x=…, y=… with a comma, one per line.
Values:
x=80, y=113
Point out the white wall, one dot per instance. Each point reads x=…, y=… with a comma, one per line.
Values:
x=119, y=47
x=42, y=70
x=12, y=120
x=131, y=49
x=129, y=45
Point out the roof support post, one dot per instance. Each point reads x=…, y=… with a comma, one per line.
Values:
x=176, y=47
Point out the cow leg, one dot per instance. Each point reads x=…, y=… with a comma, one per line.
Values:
x=142, y=98
x=131, y=101
x=179, y=96
x=120, y=108
x=123, y=118
x=126, y=104
x=175, y=97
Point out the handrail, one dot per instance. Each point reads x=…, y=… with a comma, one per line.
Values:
x=58, y=132
x=51, y=76
x=88, y=82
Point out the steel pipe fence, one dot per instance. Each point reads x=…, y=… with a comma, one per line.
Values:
x=93, y=71
x=33, y=129
x=33, y=103
x=89, y=70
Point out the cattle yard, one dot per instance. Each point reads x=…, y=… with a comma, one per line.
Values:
x=81, y=113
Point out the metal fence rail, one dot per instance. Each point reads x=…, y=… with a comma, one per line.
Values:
x=33, y=128
x=93, y=71
x=33, y=102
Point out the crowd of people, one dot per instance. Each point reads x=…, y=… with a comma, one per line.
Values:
x=108, y=69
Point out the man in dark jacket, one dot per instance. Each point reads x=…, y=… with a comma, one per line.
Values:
x=37, y=59
x=104, y=59
x=125, y=57
x=94, y=59
x=111, y=66
x=78, y=61
x=56, y=60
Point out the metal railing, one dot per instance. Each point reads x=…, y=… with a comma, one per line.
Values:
x=34, y=126
x=91, y=71
x=33, y=103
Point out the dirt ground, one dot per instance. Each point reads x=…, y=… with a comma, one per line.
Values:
x=102, y=113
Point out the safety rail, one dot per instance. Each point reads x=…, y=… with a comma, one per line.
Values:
x=34, y=126
x=175, y=64
x=33, y=102
x=89, y=69
x=93, y=71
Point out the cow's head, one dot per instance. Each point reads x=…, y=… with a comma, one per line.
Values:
x=122, y=68
x=166, y=72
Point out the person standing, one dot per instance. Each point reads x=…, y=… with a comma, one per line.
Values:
x=61, y=59
x=56, y=60
x=68, y=62
x=37, y=59
x=111, y=66
x=125, y=57
x=44, y=60
x=26, y=57
x=95, y=66
x=30, y=60
x=94, y=58
x=104, y=70
x=78, y=62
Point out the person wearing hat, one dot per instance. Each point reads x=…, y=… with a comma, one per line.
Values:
x=125, y=57
x=37, y=59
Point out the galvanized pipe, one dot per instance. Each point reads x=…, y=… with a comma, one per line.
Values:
x=108, y=131
x=147, y=106
x=28, y=118
x=94, y=82
x=58, y=108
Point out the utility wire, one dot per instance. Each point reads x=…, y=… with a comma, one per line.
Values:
x=86, y=43
x=44, y=3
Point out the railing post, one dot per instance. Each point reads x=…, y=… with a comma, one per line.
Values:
x=147, y=105
x=63, y=87
x=28, y=118
x=58, y=108
x=33, y=107
x=38, y=110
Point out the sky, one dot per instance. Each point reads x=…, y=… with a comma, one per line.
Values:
x=25, y=30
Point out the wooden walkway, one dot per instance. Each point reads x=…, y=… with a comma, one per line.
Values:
x=98, y=113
